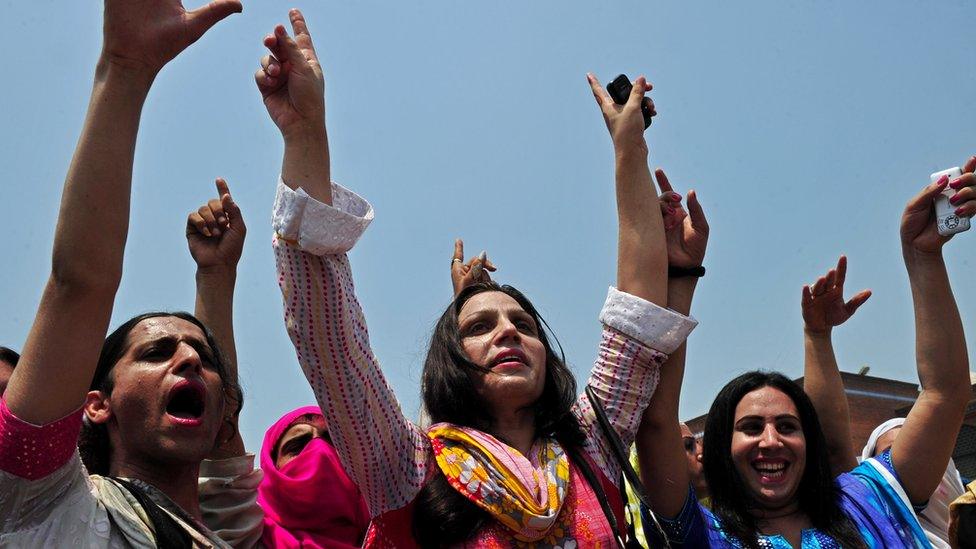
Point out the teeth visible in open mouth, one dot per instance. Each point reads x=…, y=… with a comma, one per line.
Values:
x=770, y=469
x=509, y=360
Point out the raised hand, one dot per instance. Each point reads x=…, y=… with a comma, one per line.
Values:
x=823, y=303
x=147, y=34
x=918, y=228
x=215, y=233
x=686, y=232
x=625, y=122
x=290, y=79
x=474, y=271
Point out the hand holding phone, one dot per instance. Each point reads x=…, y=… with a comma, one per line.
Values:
x=946, y=219
x=619, y=91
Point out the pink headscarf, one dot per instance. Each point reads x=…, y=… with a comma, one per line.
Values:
x=311, y=501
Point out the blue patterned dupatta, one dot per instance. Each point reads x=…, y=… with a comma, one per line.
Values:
x=872, y=495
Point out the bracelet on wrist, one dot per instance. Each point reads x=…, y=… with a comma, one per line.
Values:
x=681, y=272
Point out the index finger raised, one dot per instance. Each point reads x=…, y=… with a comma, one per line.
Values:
x=601, y=95
x=662, y=181
x=300, y=28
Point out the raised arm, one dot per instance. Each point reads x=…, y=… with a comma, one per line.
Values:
x=663, y=465
x=293, y=87
x=215, y=235
x=823, y=308
x=381, y=450
x=140, y=36
x=641, y=259
x=922, y=450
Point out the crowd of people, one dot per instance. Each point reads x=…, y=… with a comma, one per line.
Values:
x=137, y=444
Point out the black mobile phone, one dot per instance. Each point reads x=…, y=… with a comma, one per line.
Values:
x=619, y=90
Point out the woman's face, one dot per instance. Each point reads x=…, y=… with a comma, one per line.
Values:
x=768, y=447
x=297, y=437
x=498, y=334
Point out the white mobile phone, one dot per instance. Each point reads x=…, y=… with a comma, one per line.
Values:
x=945, y=213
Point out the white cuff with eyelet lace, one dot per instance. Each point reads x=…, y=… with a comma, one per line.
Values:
x=318, y=228
x=657, y=327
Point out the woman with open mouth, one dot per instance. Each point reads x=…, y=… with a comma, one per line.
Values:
x=513, y=456
x=771, y=458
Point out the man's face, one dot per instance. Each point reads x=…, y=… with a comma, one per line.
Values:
x=167, y=402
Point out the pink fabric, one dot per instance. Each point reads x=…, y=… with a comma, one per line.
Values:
x=32, y=451
x=310, y=502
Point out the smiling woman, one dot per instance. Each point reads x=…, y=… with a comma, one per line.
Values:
x=792, y=480
x=779, y=459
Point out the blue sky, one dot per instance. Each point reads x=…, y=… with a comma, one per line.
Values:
x=805, y=127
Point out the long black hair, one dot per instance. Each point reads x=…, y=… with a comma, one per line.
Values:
x=818, y=495
x=93, y=444
x=442, y=516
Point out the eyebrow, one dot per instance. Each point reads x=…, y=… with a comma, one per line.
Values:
x=200, y=346
x=763, y=418
x=483, y=313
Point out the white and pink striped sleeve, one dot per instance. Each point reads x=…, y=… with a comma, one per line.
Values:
x=382, y=451
x=637, y=338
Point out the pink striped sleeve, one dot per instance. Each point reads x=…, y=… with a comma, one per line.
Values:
x=637, y=338
x=382, y=451
x=624, y=377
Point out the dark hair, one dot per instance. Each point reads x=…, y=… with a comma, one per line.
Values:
x=93, y=444
x=442, y=515
x=9, y=356
x=731, y=500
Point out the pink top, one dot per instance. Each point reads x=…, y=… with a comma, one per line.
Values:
x=389, y=457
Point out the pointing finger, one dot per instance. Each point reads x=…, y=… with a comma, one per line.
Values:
x=300, y=28
x=662, y=181
x=841, y=271
x=458, y=250
x=600, y=94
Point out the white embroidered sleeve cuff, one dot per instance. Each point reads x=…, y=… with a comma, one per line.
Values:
x=318, y=228
x=230, y=467
x=660, y=329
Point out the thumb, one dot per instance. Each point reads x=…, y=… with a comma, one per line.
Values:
x=923, y=200
x=637, y=92
x=696, y=212
x=857, y=301
x=233, y=212
x=201, y=19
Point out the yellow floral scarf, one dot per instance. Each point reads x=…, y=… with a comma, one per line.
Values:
x=525, y=496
